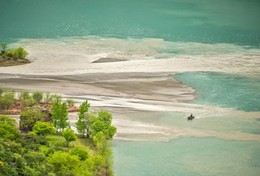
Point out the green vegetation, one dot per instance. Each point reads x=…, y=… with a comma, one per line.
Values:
x=29, y=117
x=13, y=103
x=37, y=96
x=36, y=149
x=70, y=102
x=43, y=128
x=83, y=123
x=69, y=135
x=59, y=112
x=6, y=99
x=15, y=56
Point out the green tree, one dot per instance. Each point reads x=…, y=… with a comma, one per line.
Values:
x=43, y=128
x=36, y=164
x=18, y=53
x=102, y=123
x=83, y=123
x=37, y=96
x=69, y=135
x=29, y=117
x=80, y=152
x=65, y=164
x=83, y=108
x=59, y=112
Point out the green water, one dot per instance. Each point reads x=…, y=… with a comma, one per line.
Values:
x=187, y=157
x=222, y=21
x=199, y=21
x=233, y=91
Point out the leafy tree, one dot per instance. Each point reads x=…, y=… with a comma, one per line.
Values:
x=18, y=53
x=59, y=112
x=80, y=152
x=43, y=128
x=64, y=164
x=83, y=123
x=37, y=96
x=83, y=108
x=102, y=123
x=35, y=164
x=99, y=140
x=29, y=117
x=69, y=135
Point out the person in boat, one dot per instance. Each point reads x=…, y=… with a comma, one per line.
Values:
x=191, y=117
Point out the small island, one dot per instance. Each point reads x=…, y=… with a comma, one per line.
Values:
x=12, y=57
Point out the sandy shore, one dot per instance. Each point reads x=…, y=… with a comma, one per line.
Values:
x=127, y=80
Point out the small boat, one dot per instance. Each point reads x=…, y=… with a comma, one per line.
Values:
x=191, y=117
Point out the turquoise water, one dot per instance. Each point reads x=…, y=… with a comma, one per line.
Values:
x=222, y=21
x=187, y=157
x=199, y=21
x=242, y=93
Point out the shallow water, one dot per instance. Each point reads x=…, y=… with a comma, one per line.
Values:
x=221, y=36
x=186, y=157
x=226, y=90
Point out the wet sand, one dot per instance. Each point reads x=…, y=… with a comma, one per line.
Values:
x=126, y=82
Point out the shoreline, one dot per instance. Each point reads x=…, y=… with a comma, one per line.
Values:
x=133, y=85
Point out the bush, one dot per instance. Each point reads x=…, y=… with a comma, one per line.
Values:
x=8, y=128
x=80, y=152
x=17, y=53
x=29, y=117
x=43, y=128
x=70, y=102
x=69, y=135
x=6, y=100
x=55, y=98
x=37, y=96
x=24, y=96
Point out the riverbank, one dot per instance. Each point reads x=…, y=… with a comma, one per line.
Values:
x=8, y=62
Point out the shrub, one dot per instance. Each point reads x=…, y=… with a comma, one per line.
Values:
x=6, y=100
x=69, y=135
x=80, y=152
x=29, y=117
x=24, y=96
x=8, y=128
x=18, y=53
x=70, y=102
x=43, y=128
x=37, y=96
